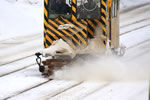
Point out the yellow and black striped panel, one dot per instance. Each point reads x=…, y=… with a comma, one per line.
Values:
x=74, y=9
x=94, y=23
x=77, y=34
x=47, y=40
x=103, y=15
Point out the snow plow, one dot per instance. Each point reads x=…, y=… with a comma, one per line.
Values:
x=73, y=28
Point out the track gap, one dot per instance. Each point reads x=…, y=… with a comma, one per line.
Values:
x=9, y=62
x=135, y=22
x=134, y=30
x=27, y=89
x=64, y=90
x=17, y=70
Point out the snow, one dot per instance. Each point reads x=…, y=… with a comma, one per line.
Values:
x=20, y=19
x=19, y=51
x=125, y=4
x=79, y=92
x=111, y=92
x=50, y=89
x=17, y=82
x=60, y=46
x=133, y=39
x=135, y=16
x=23, y=19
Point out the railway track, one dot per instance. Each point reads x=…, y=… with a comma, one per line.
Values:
x=63, y=87
x=32, y=56
x=46, y=83
x=136, y=28
x=27, y=90
x=41, y=85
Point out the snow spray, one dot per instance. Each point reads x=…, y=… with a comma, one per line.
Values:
x=103, y=68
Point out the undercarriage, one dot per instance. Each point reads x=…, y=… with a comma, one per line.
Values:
x=52, y=63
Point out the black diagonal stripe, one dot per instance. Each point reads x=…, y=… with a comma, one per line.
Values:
x=74, y=5
x=44, y=45
x=63, y=32
x=45, y=27
x=102, y=14
x=77, y=31
x=102, y=6
x=92, y=29
x=80, y=27
x=105, y=1
x=45, y=40
x=46, y=6
x=89, y=35
x=103, y=22
x=103, y=30
x=51, y=37
x=84, y=31
x=82, y=23
x=74, y=43
x=51, y=30
x=85, y=25
x=67, y=36
x=44, y=35
x=69, y=32
x=95, y=23
x=48, y=43
x=73, y=13
x=45, y=18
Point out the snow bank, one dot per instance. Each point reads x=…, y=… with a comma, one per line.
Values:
x=20, y=18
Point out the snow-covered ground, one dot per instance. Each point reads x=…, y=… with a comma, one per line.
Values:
x=20, y=18
x=27, y=83
x=126, y=4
